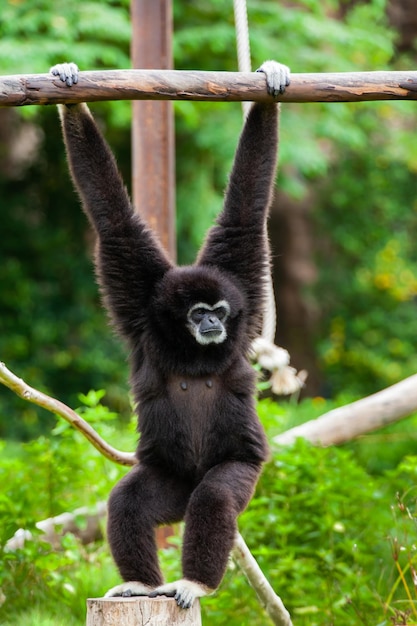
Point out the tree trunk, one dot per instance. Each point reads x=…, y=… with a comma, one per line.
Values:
x=140, y=611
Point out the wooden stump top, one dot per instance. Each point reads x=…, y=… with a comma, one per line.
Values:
x=140, y=611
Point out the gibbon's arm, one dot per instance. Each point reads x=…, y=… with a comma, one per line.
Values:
x=129, y=258
x=238, y=242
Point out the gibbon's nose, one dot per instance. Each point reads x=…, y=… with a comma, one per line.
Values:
x=210, y=324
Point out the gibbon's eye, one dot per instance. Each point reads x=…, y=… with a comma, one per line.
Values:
x=198, y=314
x=221, y=312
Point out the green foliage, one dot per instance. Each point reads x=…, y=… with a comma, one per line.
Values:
x=44, y=478
x=327, y=526
x=37, y=579
x=369, y=268
x=69, y=472
x=53, y=330
x=323, y=530
x=312, y=536
x=99, y=32
x=335, y=540
x=401, y=599
x=51, y=321
x=304, y=37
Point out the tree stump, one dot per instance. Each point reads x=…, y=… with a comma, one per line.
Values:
x=140, y=611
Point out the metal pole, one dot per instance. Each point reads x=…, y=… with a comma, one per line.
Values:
x=153, y=151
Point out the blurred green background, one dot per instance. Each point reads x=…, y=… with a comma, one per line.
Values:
x=342, y=227
x=343, y=231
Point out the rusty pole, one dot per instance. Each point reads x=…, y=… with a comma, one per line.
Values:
x=153, y=151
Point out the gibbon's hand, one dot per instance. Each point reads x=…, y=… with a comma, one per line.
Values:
x=277, y=77
x=67, y=72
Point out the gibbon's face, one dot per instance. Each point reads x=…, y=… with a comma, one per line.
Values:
x=207, y=323
x=196, y=305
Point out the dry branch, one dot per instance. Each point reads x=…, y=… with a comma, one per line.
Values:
x=30, y=394
x=26, y=89
x=360, y=417
x=54, y=528
x=267, y=596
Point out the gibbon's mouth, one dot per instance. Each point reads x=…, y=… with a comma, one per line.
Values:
x=209, y=336
x=212, y=331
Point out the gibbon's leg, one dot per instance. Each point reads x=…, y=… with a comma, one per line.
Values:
x=210, y=528
x=144, y=499
x=210, y=520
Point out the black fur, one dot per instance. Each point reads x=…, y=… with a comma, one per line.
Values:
x=201, y=446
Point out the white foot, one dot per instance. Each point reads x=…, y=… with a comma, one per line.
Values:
x=131, y=588
x=184, y=591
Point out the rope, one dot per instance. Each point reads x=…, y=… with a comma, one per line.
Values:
x=244, y=65
x=242, y=43
x=284, y=379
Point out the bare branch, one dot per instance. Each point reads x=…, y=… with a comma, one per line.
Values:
x=30, y=394
x=360, y=417
x=54, y=528
x=267, y=596
x=27, y=89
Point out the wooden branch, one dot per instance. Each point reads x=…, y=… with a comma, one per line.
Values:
x=27, y=89
x=30, y=394
x=54, y=528
x=360, y=417
x=267, y=596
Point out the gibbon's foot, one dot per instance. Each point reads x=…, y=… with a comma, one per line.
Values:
x=129, y=589
x=184, y=591
x=67, y=72
x=277, y=77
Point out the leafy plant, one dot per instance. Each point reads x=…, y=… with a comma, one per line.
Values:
x=327, y=526
x=320, y=525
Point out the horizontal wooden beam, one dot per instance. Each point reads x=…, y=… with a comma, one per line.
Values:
x=27, y=89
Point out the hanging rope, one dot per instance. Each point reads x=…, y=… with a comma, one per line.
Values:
x=242, y=43
x=244, y=65
x=284, y=379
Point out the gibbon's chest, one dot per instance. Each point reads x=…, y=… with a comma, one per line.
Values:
x=194, y=396
x=198, y=421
